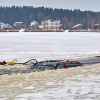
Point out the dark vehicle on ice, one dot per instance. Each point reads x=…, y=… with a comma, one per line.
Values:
x=54, y=64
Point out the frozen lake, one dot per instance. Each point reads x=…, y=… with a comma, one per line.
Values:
x=43, y=45
x=52, y=45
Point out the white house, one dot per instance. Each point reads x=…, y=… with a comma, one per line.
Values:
x=34, y=23
x=50, y=25
x=5, y=26
x=19, y=25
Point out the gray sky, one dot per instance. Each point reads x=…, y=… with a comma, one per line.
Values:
x=69, y=4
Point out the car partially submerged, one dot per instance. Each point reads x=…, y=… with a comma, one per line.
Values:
x=54, y=64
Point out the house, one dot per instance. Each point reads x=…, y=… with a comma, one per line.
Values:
x=33, y=26
x=77, y=27
x=34, y=23
x=51, y=25
x=5, y=27
x=97, y=26
x=19, y=25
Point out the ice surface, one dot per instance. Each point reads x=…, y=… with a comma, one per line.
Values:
x=48, y=45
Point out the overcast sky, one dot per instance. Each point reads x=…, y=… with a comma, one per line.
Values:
x=69, y=4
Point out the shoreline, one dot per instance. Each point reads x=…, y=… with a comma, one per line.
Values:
x=14, y=86
x=15, y=67
x=17, y=84
x=48, y=74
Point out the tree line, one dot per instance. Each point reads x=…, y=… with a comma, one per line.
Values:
x=67, y=17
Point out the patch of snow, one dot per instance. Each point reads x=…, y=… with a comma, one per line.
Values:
x=72, y=89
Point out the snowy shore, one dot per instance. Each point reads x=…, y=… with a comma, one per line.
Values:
x=81, y=83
